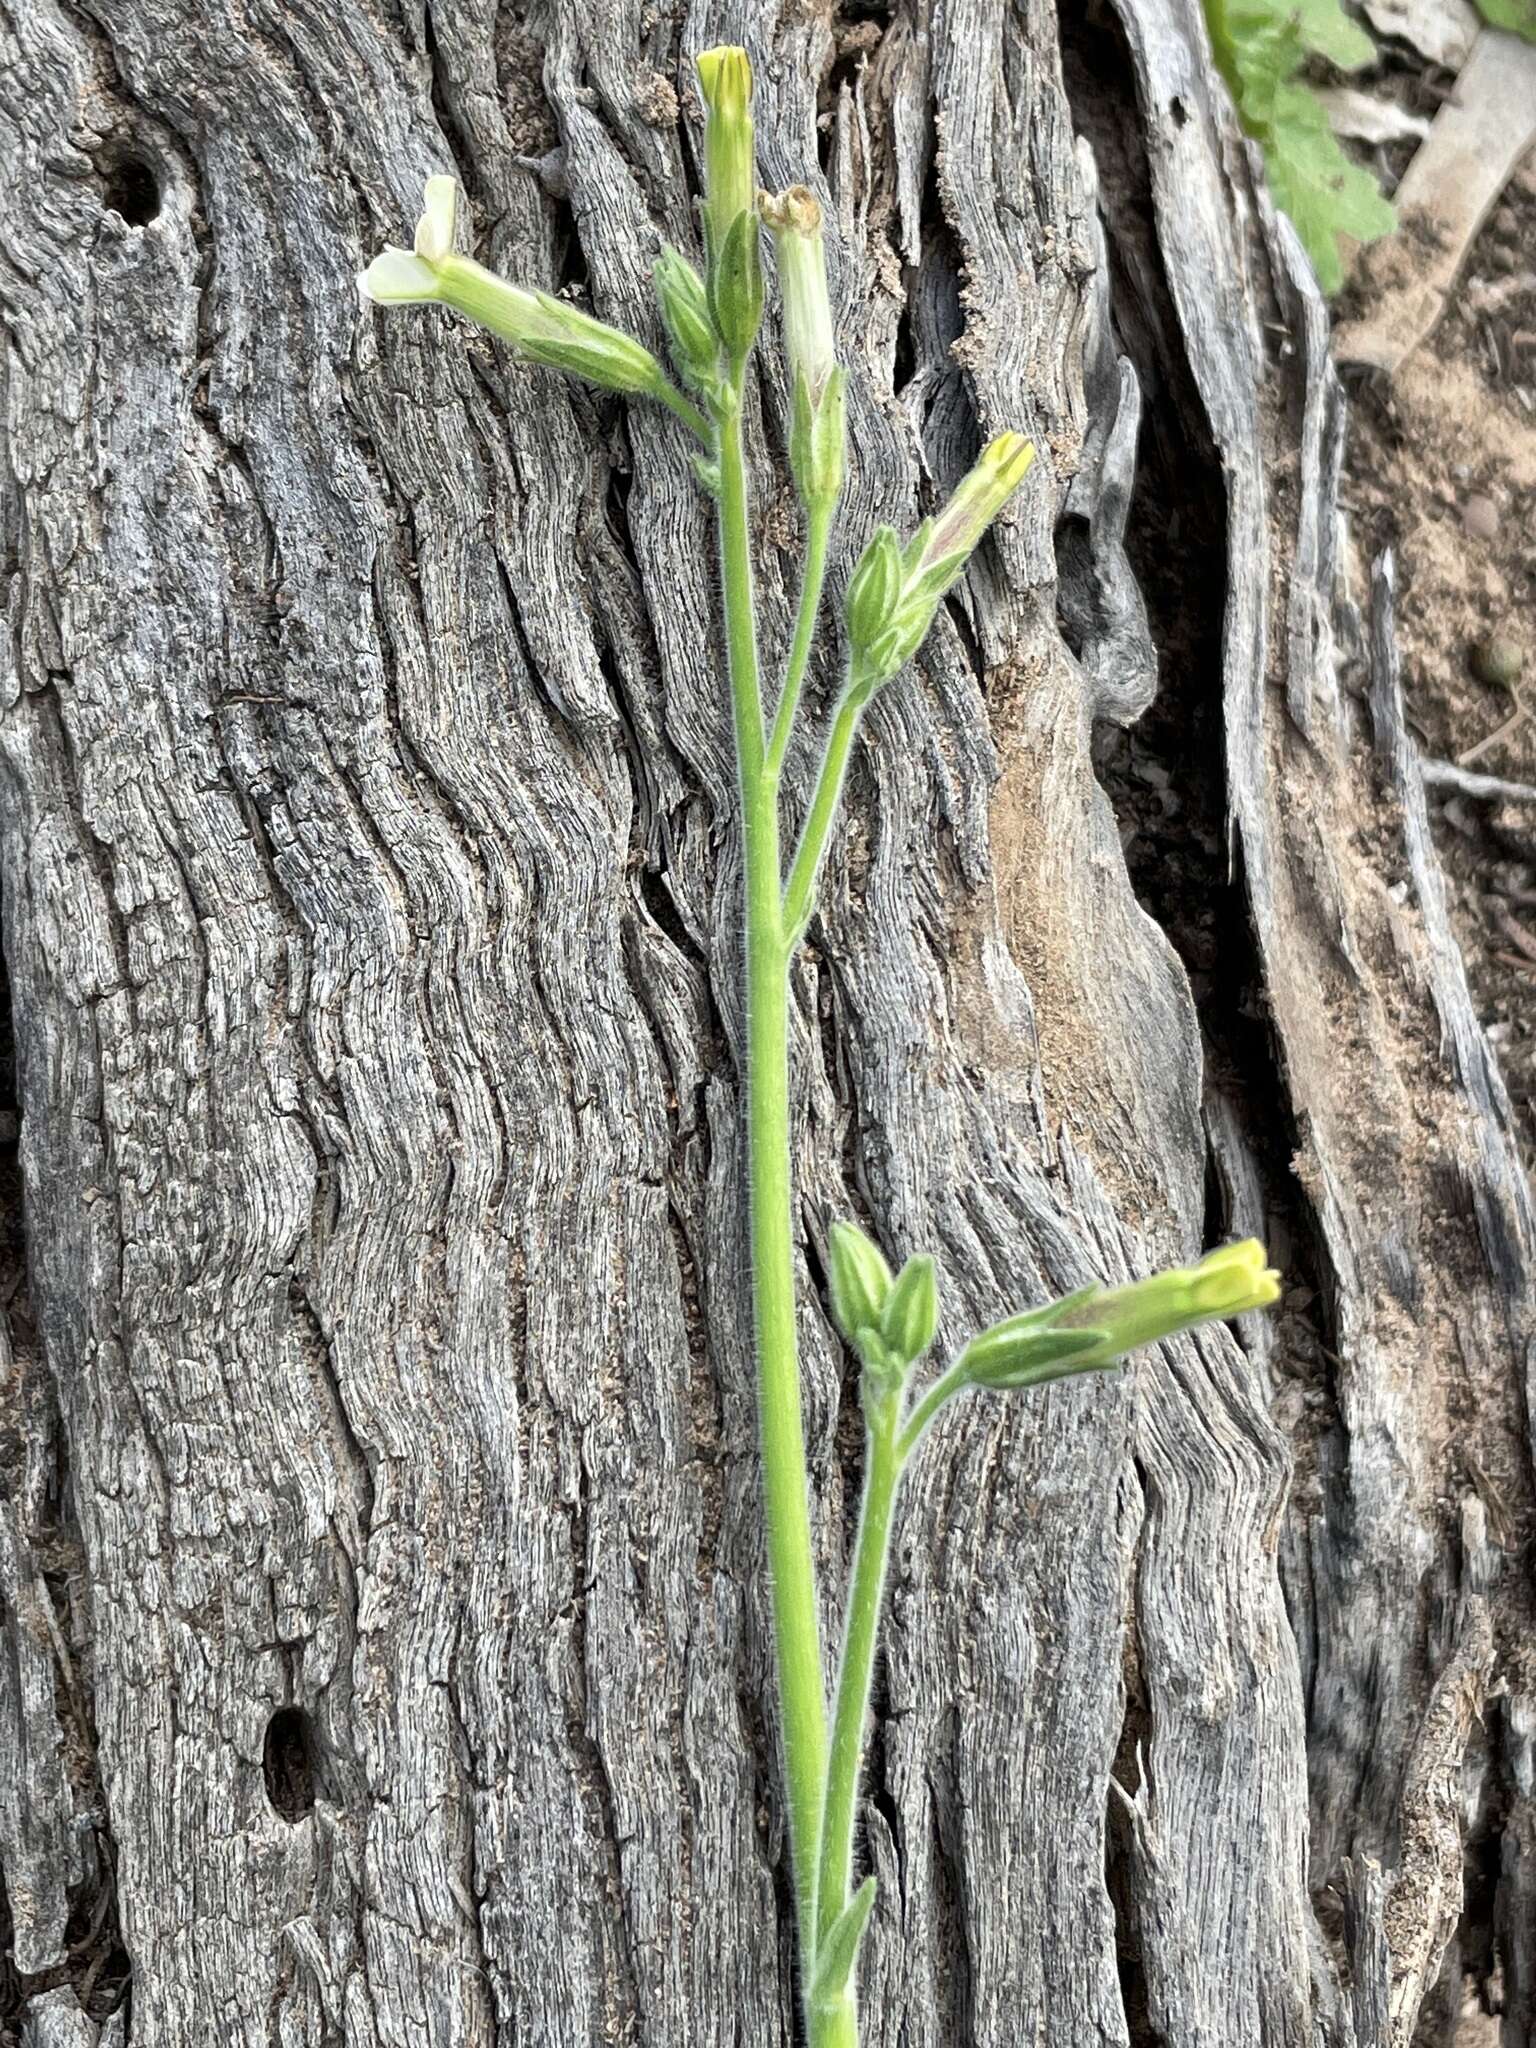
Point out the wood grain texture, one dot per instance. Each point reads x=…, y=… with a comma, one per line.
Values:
x=372, y=915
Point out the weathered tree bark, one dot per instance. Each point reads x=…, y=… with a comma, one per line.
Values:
x=384, y=1653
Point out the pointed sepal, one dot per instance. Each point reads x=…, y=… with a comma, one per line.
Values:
x=837, y=1954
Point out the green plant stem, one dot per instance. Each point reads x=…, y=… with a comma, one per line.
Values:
x=797, y=1628
x=836, y=2029
x=882, y=1476
x=685, y=410
x=818, y=533
x=800, y=890
x=944, y=1388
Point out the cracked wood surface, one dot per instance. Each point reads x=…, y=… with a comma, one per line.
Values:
x=371, y=913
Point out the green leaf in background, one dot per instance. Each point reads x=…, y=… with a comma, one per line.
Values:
x=1317, y=185
x=1260, y=46
x=1324, y=28
x=1517, y=15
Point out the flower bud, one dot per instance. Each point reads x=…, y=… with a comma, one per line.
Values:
x=874, y=588
x=816, y=432
x=794, y=220
x=974, y=504
x=859, y=1280
x=1227, y=1282
x=686, y=316
x=911, y=1312
x=541, y=329
x=883, y=641
x=1097, y=1326
x=730, y=176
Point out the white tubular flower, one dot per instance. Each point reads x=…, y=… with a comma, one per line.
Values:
x=542, y=329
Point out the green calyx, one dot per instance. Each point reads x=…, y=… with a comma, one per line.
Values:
x=685, y=313
x=736, y=286
x=895, y=591
x=859, y=1281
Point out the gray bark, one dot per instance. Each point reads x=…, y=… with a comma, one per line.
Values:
x=384, y=1652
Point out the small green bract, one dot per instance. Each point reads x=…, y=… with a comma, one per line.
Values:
x=1260, y=47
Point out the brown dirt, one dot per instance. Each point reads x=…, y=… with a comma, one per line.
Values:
x=1442, y=467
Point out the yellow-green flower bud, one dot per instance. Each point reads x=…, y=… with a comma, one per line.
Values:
x=859, y=1281
x=686, y=316
x=884, y=640
x=730, y=171
x=1097, y=1326
x=1227, y=1282
x=911, y=1312
x=540, y=328
x=975, y=503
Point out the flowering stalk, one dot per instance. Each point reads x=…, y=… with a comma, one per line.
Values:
x=711, y=319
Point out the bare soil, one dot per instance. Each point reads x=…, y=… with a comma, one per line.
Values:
x=1441, y=467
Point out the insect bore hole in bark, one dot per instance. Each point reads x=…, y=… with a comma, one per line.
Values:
x=130, y=188
x=287, y=1764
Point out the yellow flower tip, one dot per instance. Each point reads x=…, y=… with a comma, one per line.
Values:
x=434, y=231
x=1006, y=460
x=978, y=498
x=1235, y=1278
x=725, y=77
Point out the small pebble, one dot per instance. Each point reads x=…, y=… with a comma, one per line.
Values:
x=1480, y=516
x=1497, y=662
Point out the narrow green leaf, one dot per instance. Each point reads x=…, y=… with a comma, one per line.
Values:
x=838, y=1953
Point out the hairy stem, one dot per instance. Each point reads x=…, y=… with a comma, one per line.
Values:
x=953, y=1382
x=685, y=410
x=797, y=1631
x=800, y=890
x=818, y=533
x=836, y=2029
x=882, y=1475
